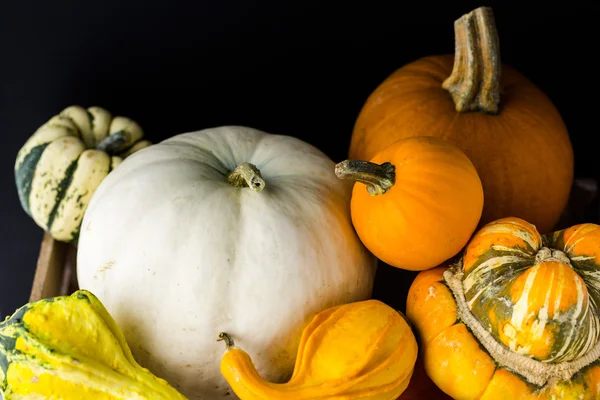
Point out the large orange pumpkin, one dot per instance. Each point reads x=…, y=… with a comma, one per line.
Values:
x=508, y=127
x=516, y=317
x=416, y=203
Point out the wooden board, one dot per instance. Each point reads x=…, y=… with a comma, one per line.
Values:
x=55, y=273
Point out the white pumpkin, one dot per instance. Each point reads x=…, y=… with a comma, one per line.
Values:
x=179, y=248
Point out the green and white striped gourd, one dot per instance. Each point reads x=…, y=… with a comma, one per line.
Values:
x=60, y=166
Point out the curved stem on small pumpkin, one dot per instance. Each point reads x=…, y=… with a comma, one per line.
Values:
x=229, y=343
x=379, y=178
x=475, y=80
x=246, y=175
x=536, y=372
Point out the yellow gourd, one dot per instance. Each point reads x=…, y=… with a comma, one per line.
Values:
x=70, y=348
x=361, y=350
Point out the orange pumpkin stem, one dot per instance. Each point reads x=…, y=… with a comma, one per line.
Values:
x=379, y=178
x=246, y=175
x=475, y=80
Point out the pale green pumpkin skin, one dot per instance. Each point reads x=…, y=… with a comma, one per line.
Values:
x=60, y=166
x=178, y=252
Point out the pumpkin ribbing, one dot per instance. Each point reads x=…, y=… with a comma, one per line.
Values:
x=530, y=302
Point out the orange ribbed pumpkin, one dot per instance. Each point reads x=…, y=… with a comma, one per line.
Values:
x=416, y=203
x=516, y=317
x=508, y=127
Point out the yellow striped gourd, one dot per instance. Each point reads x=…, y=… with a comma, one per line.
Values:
x=70, y=348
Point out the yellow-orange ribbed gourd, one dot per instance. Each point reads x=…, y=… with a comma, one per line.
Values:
x=362, y=350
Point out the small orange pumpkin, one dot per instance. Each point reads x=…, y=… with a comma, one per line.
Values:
x=508, y=127
x=416, y=203
x=516, y=317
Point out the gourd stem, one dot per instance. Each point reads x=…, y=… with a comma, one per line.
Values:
x=227, y=339
x=546, y=254
x=475, y=80
x=379, y=178
x=114, y=143
x=536, y=372
x=246, y=175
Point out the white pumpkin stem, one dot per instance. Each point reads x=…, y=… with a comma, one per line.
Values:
x=475, y=80
x=379, y=178
x=246, y=175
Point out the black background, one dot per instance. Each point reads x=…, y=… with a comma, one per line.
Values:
x=302, y=68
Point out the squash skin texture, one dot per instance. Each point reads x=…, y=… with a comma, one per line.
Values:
x=532, y=294
x=70, y=348
x=211, y=257
x=60, y=166
x=429, y=213
x=364, y=350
